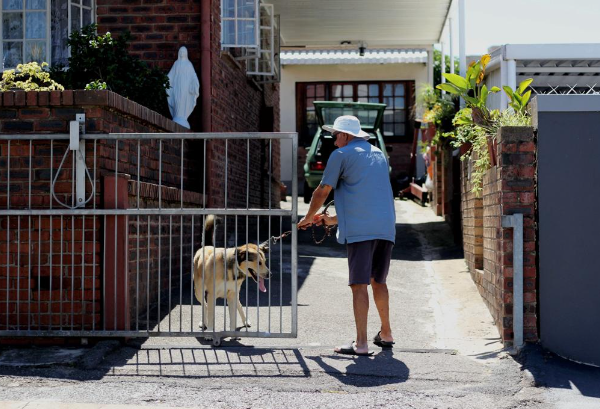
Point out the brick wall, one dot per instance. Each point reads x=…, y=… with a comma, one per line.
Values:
x=52, y=266
x=508, y=188
x=237, y=102
x=158, y=27
x=472, y=223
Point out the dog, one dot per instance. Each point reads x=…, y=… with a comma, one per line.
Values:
x=216, y=268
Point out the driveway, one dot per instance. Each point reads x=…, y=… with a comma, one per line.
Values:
x=447, y=352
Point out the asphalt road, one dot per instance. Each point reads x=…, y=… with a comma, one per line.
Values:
x=426, y=369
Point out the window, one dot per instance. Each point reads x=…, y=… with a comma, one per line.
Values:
x=397, y=95
x=239, y=23
x=37, y=30
x=24, y=31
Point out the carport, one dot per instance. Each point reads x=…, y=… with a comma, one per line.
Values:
x=362, y=51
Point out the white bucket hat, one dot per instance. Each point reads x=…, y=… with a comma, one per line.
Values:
x=348, y=124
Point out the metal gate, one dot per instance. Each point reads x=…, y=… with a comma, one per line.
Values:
x=99, y=235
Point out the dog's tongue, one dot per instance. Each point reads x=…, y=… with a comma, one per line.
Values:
x=261, y=285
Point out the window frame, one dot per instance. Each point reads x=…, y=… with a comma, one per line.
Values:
x=48, y=40
x=304, y=136
x=23, y=40
x=236, y=19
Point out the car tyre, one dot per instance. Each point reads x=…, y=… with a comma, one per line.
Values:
x=308, y=191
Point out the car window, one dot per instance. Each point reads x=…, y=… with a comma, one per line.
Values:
x=367, y=117
x=325, y=147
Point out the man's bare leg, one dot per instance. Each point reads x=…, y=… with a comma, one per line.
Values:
x=382, y=301
x=360, y=301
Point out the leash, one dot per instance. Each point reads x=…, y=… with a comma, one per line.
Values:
x=328, y=229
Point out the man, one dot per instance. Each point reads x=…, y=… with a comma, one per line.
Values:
x=364, y=203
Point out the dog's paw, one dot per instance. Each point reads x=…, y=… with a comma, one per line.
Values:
x=247, y=324
x=202, y=327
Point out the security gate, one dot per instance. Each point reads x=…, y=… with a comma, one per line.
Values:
x=98, y=234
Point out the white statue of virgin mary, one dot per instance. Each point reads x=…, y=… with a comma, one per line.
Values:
x=184, y=90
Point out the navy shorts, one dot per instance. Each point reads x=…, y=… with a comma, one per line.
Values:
x=369, y=259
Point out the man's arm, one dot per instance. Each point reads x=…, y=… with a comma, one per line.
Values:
x=316, y=202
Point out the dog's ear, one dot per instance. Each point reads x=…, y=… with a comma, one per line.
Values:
x=264, y=247
x=242, y=256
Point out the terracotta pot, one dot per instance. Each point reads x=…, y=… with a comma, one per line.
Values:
x=492, y=145
x=464, y=148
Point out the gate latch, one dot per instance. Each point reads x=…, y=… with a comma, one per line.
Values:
x=77, y=145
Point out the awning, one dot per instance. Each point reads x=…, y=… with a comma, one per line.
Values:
x=371, y=56
x=379, y=23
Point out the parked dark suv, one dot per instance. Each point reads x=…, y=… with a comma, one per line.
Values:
x=370, y=117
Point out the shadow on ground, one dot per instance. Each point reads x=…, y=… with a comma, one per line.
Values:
x=551, y=371
x=380, y=369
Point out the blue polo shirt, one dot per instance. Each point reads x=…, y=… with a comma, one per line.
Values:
x=364, y=201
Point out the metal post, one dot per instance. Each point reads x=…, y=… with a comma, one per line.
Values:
x=443, y=65
x=450, y=25
x=516, y=223
x=503, y=81
x=511, y=73
x=462, y=56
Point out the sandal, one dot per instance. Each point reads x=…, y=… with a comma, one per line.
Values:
x=350, y=350
x=381, y=343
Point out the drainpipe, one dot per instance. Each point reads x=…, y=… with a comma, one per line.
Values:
x=205, y=65
x=206, y=87
x=515, y=222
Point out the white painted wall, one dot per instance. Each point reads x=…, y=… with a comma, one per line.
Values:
x=291, y=74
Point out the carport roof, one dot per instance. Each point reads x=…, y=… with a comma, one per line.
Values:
x=376, y=22
x=377, y=56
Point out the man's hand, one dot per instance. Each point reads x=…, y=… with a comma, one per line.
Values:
x=318, y=199
x=325, y=219
x=305, y=223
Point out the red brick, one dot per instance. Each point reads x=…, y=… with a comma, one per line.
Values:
x=32, y=98
x=34, y=113
x=527, y=147
x=43, y=98
x=20, y=98
x=67, y=97
x=55, y=97
x=8, y=98
x=529, y=297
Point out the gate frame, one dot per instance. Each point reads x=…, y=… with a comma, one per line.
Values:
x=77, y=145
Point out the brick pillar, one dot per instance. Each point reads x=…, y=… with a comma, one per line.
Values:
x=116, y=296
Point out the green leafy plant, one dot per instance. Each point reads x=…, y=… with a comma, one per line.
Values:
x=476, y=124
x=519, y=98
x=29, y=77
x=96, y=85
x=102, y=58
x=439, y=110
x=472, y=89
x=467, y=133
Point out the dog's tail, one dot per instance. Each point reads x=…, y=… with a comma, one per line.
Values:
x=210, y=224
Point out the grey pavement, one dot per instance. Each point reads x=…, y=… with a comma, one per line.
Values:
x=447, y=352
